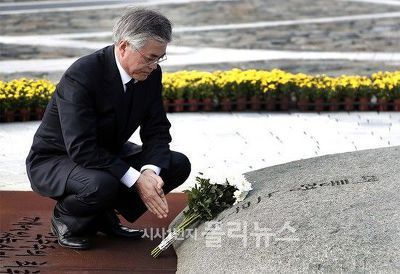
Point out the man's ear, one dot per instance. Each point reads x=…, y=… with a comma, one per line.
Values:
x=122, y=47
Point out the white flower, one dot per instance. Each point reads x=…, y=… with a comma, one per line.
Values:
x=238, y=180
x=243, y=187
x=239, y=196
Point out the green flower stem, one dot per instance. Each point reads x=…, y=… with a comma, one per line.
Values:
x=187, y=221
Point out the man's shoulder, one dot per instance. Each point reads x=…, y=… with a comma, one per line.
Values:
x=91, y=62
x=89, y=68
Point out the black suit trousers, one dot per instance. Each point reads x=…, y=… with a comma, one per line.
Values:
x=89, y=193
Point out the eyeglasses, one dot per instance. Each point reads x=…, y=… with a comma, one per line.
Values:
x=151, y=61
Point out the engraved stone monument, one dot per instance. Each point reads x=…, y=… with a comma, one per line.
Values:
x=331, y=213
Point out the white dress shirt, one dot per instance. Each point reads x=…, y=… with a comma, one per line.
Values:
x=132, y=175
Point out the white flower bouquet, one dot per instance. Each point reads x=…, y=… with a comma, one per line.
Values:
x=205, y=201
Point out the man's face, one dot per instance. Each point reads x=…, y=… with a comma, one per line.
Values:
x=139, y=63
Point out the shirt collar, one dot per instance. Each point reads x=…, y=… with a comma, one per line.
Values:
x=124, y=76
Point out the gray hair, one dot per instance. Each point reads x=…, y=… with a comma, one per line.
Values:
x=138, y=25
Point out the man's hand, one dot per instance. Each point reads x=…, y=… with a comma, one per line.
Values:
x=149, y=187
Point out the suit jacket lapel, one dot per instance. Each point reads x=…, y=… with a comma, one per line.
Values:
x=114, y=90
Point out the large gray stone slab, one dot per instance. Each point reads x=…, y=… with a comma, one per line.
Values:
x=335, y=213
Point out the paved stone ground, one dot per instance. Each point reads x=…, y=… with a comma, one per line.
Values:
x=323, y=26
x=234, y=143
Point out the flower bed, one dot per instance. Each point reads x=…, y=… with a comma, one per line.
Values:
x=24, y=99
x=234, y=90
x=279, y=90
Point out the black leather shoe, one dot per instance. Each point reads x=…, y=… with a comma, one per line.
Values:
x=65, y=239
x=111, y=225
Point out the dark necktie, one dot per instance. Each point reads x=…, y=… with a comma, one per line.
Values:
x=130, y=85
x=127, y=100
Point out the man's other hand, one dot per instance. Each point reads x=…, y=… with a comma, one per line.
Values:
x=149, y=187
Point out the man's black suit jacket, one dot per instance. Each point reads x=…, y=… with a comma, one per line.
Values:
x=84, y=125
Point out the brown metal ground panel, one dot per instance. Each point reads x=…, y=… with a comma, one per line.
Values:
x=27, y=246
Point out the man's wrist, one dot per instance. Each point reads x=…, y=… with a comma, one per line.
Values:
x=130, y=177
x=147, y=170
x=153, y=168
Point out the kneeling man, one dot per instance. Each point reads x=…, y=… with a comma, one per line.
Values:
x=80, y=154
